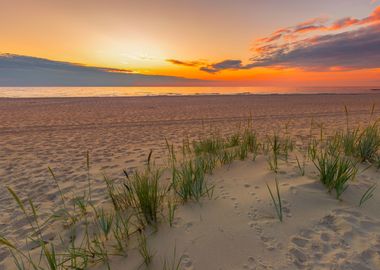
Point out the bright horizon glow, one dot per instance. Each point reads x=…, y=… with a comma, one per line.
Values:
x=181, y=38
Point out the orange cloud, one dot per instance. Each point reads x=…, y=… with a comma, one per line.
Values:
x=343, y=23
x=317, y=24
x=310, y=25
x=295, y=47
x=309, y=28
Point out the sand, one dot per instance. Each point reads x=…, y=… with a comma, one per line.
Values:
x=237, y=228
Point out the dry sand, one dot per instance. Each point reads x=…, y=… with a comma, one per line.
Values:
x=237, y=228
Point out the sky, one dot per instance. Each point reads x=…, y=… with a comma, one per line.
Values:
x=234, y=42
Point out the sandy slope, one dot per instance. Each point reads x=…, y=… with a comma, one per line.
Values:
x=237, y=229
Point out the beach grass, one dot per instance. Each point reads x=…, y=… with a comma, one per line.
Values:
x=142, y=199
x=276, y=199
x=368, y=143
x=368, y=194
x=335, y=171
x=173, y=263
x=145, y=194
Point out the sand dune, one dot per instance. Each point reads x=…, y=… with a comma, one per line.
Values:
x=235, y=229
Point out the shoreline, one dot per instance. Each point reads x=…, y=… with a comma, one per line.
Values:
x=197, y=95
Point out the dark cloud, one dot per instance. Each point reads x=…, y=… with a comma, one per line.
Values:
x=226, y=64
x=17, y=61
x=185, y=63
x=19, y=70
x=353, y=50
x=358, y=48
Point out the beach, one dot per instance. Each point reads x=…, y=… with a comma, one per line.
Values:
x=236, y=227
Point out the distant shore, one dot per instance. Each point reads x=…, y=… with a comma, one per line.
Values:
x=30, y=92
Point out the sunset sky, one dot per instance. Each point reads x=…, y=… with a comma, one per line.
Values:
x=293, y=42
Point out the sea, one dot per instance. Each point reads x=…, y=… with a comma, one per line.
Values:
x=45, y=92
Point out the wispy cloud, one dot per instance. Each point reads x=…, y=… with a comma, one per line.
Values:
x=328, y=49
x=186, y=63
x=319, y=24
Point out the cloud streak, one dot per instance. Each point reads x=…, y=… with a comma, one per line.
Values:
x=356, y=48
x=19, y=70
x=185, y=63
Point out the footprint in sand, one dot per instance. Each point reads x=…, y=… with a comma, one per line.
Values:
x=188, y=226
x=256, y=264
x=332, y=243
x=270, y=243
x=186, y=262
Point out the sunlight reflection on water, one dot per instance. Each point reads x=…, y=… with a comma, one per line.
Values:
x=26, y=92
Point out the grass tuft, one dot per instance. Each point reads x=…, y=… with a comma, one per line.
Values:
x=368, y=143
x=145, y=194
x=368, y=194
x=276, y=199
x=335, y=171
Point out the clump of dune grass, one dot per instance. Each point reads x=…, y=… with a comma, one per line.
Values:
x=207, y=163
x=210, y=145
x=249, y=139
x=145, y=194
x=335, y=171
x=368, y=194
x=347, y=171
x=287, y=144
x=349, y=137
x=327, y=166
x=312, y=149
x=274, y=147
x=349, y=141
x=368, y=143
x=334, y=144
x=242, y=151
x=118, y=193
x=189, y=180
x=226, y=157
x=276, y=199
x=233, y=140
